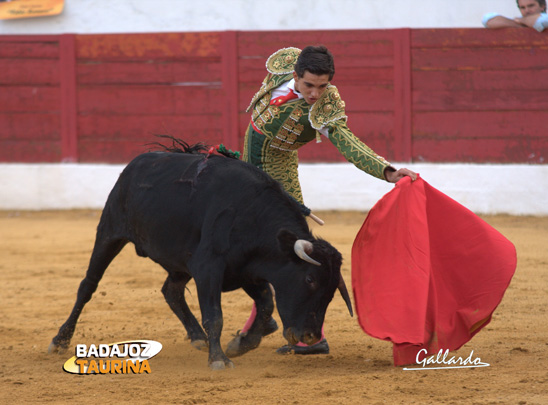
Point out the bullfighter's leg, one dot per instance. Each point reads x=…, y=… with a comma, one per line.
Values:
x=104, y=252
x=262, y=325
x=174, y=293
x=209, y=286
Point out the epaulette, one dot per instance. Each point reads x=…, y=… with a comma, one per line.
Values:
x=283, y=61
x=327, y=109
x=280, y=66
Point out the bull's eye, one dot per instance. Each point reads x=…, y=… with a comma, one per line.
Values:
x=309, y=280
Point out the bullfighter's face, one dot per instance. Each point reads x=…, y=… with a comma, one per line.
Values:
x=311, y=86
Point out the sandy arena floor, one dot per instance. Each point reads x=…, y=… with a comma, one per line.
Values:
x=43, y=259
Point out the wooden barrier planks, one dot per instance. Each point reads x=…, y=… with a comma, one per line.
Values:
x=480, y=96
x=132, y=87
x=425, y=95
x=30, y=99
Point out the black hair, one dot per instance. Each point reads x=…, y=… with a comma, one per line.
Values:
x=541, y=3
x=316, y=60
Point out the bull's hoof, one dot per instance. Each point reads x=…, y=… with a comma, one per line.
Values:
x=240, y=345
x=221, y=365
x=233, y=348
x=319, y=348
x=270, y=327
x=55, y=348
x=200, y=345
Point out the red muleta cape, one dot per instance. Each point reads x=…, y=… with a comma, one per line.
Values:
x=427, y=273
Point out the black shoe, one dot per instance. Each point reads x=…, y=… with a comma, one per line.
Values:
x=319, y=348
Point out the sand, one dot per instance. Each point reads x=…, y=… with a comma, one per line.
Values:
x=44, y=256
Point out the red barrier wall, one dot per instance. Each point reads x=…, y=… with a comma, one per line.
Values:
x=440, y=95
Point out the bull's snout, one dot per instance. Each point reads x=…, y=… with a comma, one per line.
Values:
x=306, y=337
x=290, y=336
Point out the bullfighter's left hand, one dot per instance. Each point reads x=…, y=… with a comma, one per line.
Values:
x=393, y=176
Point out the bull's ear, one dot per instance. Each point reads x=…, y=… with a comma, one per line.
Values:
x=286, y=241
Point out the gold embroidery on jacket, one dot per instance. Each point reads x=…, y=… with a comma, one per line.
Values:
x=290, y=130
x=282, y=61
x=280, y=66
x=327, y=109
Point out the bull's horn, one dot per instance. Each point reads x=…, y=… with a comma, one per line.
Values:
x=344, y=293
x=302, y=248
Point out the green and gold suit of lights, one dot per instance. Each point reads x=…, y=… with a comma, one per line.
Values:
x=284, y=129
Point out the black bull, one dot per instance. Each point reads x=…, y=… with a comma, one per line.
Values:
x=226, y=224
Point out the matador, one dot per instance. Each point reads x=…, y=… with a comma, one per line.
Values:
x=295, y=105
x=280, y=125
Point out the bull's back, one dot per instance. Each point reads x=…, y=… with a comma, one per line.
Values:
x=167, y=203
x=169, y=179
x=150, y=200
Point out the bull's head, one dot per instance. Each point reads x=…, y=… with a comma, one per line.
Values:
x=315, y=274
x=302, y=249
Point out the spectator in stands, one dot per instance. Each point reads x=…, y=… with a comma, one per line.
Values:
x=533, y=15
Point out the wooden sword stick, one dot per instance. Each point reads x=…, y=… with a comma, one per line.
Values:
x=318, y=220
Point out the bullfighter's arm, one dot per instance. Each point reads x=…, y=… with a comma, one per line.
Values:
x=363, y=157
x=357, y=152
x=328, y=117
